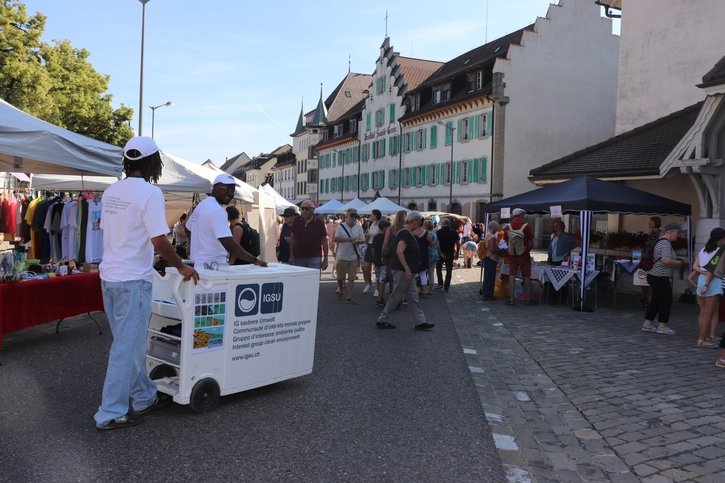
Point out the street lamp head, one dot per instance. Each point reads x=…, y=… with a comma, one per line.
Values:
x=169, y=103
x=144, y=1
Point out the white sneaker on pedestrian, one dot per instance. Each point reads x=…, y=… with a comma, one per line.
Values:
x=376, y=293
x=367, y=288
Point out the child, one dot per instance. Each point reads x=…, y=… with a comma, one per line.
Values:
x=381, y=270
x=469, y=250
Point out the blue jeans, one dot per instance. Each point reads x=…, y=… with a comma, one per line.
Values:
x=313, y=262
x=128, y=308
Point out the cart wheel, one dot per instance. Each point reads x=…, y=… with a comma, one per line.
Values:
x=204, y=396
x=161, y=371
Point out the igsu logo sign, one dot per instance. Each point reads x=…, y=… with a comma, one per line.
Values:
x=254, y=298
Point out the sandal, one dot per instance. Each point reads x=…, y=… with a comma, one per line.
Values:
x=706, y=344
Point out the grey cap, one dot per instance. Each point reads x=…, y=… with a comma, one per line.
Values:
x=673, y=226
x=518, y=211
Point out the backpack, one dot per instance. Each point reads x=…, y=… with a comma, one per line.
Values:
x=517, y=241
x=648, y=257
x=250, y=239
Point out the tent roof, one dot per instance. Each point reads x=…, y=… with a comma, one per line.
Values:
x=178, y=176
x=329, y=207
x=592, y=194
x=30, y=145
x=280, y=202
x=356, y=203
x=383, y=204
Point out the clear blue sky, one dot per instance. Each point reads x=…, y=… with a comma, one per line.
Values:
x=237, y=71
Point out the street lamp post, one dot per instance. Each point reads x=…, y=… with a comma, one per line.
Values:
x=140, y=84
x=153, y=114
x=450, y=191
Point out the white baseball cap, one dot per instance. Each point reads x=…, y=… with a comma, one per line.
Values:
x=144, y=145
x=518, y=211
x=224, y=178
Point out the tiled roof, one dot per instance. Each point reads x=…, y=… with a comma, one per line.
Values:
x=348, y=93
x=241, y=156
x=454, y=71
x=715, y=76
x=638, y=152
x=486, y=53
x=415, y=71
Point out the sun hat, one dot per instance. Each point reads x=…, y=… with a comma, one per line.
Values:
x=144, y=145
x=289, y=211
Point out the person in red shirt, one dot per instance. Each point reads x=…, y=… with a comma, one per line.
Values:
x=308, y=244
x=519, y=261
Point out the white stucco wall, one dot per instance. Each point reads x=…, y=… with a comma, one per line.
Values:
x=666, y=48
x=562, y=86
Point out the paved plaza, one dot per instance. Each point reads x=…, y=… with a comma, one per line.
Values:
x=576, y=396
x=524, y=393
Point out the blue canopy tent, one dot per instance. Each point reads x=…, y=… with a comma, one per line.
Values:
x=586, y=195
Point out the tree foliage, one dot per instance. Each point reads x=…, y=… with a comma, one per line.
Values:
x=54, y=81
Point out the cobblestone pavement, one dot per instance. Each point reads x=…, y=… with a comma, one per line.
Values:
x=578, y=396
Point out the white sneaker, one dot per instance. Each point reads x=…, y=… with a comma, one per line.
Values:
x=367, y=288
x=376, y=293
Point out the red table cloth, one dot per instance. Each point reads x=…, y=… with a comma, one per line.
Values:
x=25, y=304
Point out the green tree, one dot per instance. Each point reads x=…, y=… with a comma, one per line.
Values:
x=54, y=81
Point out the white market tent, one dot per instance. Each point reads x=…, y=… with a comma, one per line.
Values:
x=280, y=202
x=328, y=207
x=30, y=145
x=356, y=203
x=383, y=204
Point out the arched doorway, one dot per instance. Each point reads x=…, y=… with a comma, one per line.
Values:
x=412, y=205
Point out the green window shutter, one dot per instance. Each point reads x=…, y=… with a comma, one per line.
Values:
x=392, y=112
x=425, y=175
x=367, y=121
x=334, y=158
x=382, y=148
x=437, y=176
x=489, y=123
x=425, y=135
x=433, y=136
x=414, y=136
x=390, y=144
x=476, y=176
x=484, y=169
x=458, y=130
x=457, y=172
x=449, y=133
x=476, y=130
x=469, y=170
x=471, y=131
x=382, y=178
x=413, y=176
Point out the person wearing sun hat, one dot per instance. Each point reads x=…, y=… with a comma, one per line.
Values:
x=211, y=237
x=659, y=278
x=283, y=253
x=710, y=292
x=133, y=220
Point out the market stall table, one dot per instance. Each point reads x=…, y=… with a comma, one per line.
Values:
x=34, y=302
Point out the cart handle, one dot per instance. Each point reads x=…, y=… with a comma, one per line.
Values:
x=176, y=290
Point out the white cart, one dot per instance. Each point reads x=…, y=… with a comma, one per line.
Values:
x=241, y=327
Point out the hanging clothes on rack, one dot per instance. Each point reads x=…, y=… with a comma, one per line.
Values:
x=94, y=233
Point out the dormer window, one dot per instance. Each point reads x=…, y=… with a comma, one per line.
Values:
x=441, y=93
x=337, y=131
x=353, y=125
x=475, y=81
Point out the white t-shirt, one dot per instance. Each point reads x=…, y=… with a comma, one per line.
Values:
x=133, y=213
x=372, y=231
x=345, y=250
x=208, y=223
